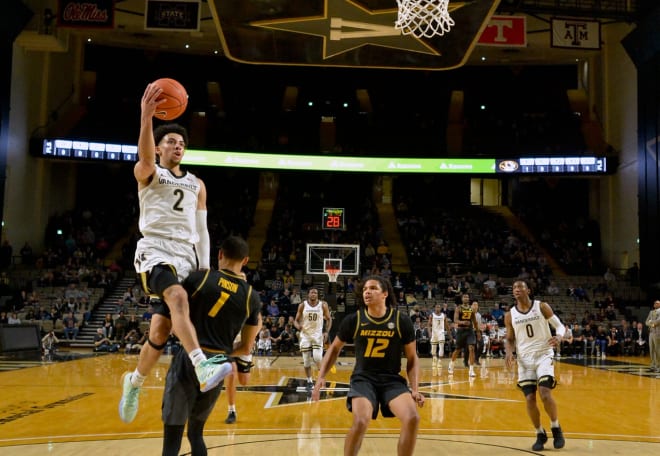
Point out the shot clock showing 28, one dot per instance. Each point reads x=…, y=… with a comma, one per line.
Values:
x=333, y=218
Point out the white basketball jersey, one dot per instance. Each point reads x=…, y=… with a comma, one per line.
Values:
x=168, y=206
x=531, y=330
x=312, y=319
x=437, y=327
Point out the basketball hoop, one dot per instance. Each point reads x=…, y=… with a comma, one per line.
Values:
x=423, y=18
x=332, y=274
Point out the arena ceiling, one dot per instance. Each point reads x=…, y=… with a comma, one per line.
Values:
x=295, y=32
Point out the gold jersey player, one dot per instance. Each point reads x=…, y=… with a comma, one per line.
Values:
x=380, y=334
x=311, y=315
x=175, y=243
x=467, y=330
x=528, y=331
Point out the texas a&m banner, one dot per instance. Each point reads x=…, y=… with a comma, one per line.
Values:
x=575, y=34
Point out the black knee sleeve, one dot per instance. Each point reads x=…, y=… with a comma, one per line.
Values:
x=157, y=347
x=547, y=381
x=527, y=387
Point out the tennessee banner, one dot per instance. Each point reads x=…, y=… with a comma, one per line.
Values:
x=575, y=33
x=507, y=31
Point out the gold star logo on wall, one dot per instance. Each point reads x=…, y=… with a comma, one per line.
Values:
x=357, y=33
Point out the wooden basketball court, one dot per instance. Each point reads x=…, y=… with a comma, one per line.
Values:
x=69, y=407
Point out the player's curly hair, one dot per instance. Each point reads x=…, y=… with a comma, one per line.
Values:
x=161, y=130
x=385, y=285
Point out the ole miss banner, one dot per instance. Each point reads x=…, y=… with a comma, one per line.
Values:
x=86, y=14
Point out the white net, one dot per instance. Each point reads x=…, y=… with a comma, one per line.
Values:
x=423, y=18
x=332, y=275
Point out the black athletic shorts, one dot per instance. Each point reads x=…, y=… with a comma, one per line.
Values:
x=465, y=337
x=380, y=389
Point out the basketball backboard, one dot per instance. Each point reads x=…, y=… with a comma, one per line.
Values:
x=346, y=257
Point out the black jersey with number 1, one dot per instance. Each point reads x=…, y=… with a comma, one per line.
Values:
x=217, y=318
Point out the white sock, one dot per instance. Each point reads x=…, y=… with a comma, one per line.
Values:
x=137, y=379
x=197, y=356
x=554, y=424
x=540, y=430
x=232, y=408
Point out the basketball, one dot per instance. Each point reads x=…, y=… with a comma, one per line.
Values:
x=176, y=99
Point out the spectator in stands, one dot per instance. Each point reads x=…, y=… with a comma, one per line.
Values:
x=129, y=299
x=133, y=340
x=102, y=343
x=577, y=347
x=146, y=316
x=13, y=319
x=55, y=314
x=552, y=289
x=108, y=327
x=306, y=283
x=489, y=289
x=121, y=324
x=589, y=334
x=602, y=341
x=272, y=309
x=614, y=342
x=4, y=320
x=30, y=315
x=401, y=299
x=497, y=314
x=288, y=280
x=496, y=335
x=133, y=323
x=610, y=313
x=264, y=343
x=640, y=338
x=285, y=340
x=295, y=298
x=627, y=338
x=43, y=314
x=284, y=303
x=71, y=326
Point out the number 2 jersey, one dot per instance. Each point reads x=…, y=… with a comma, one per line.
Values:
x=378, y=342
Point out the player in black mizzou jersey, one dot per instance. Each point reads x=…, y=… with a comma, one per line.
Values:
x=380, y=334
x=222, y=305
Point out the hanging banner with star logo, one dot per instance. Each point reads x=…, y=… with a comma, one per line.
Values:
x=343, y=33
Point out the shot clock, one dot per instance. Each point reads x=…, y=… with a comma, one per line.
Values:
x=333, y=218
